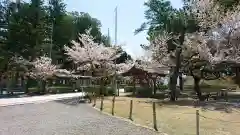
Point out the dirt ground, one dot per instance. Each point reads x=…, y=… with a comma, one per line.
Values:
x=177, y=118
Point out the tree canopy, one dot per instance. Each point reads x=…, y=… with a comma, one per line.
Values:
x=32, y=29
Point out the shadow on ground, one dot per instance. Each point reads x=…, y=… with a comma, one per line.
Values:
x=233, y=102
x=213, y=105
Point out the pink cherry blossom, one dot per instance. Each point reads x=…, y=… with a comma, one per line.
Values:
x=158, y=53
x=92, y=56
x=220, y=44
x=90, y=52
x=41, y=68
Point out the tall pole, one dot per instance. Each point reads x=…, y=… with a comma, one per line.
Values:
x=115, y=76
x=109, y=38
x=51, y=40
x=18, y=2
x=116, y=17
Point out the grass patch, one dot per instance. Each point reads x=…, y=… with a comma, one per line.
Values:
x=175, y=119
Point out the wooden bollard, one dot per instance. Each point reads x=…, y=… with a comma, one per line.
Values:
x=113, y=105
x=154, y=116
x=130, y=111
x=197, y=122
x=101, y=107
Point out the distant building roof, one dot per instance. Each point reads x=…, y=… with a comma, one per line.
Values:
x=73, y=76
x=150, y=69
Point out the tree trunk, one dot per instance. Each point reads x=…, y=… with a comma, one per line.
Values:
x=197, y=87
x=1, y=84
x=26, y=83
x=154, y=87
x=237, y=79
x=22, y=80
x=16, y=77
x=174, y=75
x=180, y=82
x=23, y=84
x=101, y=87
x=9, y=82
x=117, y=85
x=172, y=87
x=43, y=86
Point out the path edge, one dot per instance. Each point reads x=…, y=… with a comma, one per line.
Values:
x=35, y=102
x=127, y=120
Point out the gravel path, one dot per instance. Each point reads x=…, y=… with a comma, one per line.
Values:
x=63, y=118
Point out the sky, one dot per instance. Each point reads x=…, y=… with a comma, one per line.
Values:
x=130, y=17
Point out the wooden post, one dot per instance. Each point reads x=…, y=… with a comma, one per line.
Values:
x=101, y=107
x=197, y=122
x=113, y=104
x=94, y=100
x=154, y=117
x=226, y=95
x=131, y=108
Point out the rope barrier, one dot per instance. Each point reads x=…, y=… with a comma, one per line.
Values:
x=218, y=119
x=151, y=101
x=236, y=111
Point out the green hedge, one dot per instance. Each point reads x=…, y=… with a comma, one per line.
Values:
x=54, y=89
x=107, y=90
x=65, y=89
x=210, y=87
x=162, y=87
x=61, y=89
x=32, y=83
x=144, y=92
x=129, y=88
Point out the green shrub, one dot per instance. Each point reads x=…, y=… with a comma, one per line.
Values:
x=207, y=86
x=107, y=90
x=54, y=89
x=129, y=88
x=144, y=92
x=92, y=89
x=162, y=87
x=61, y=89
x=32, y=83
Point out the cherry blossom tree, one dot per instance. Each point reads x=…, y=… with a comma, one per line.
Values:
x=218, y=40
x=190, y=63
x=94, y=57
x=216, y=43
x=161, y=54
x=158, y=49
x=41, y=69
x=89, y=55
x=123, y=67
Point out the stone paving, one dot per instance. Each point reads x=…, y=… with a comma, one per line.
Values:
x=37, y=99
x=62, y=117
